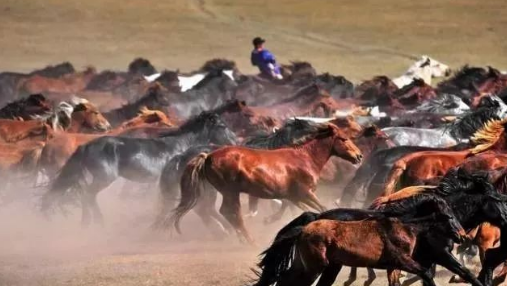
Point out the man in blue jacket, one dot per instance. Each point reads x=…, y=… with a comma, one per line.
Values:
x=264, y=60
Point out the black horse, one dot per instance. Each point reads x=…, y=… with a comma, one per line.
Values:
x=94, y=166
x=287, y=135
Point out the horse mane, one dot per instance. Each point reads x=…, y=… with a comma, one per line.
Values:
x=15, y=108
x=469, y=123
x=486, y=137
x=442, y=99
x=232, y=105
x=292, y=133
x=218, y=65
x=419, y=205
x=313, y=90
x=141, y=66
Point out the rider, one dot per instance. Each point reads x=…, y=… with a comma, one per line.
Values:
x=264, y=60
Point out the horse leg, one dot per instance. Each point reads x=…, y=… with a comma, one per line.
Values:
x=231, y=210
x=253, y=206
x=329, y=275
x=393, y=277
x=278, y=215
x=447, y=260
x=205, y=209
x=313, y=201
x=352, y=276
x=500, y=277
x=371, y=277
x=85, y=212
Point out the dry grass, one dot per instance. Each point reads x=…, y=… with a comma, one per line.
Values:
x=355, y=38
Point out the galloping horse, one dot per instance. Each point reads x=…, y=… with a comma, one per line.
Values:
x=94, y=166
x=416, y=168
x=315, y=244
x=58, y=150
x=288, y=173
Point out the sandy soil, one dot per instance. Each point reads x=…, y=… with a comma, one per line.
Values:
x=36, y=251
x=355, y=38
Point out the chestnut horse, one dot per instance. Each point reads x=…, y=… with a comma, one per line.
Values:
x=419, y=167
x=286, y=173
x=13, y=130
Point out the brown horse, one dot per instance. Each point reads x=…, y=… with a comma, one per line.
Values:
x=13, y=130
x=86, y=118
x=286, y=173
x=311, y=245
x=67, y=84
x=420, y=167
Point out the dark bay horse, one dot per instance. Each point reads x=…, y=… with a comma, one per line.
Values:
x=288, y=173
x=95, y=165
x=315, y=244
x=474, y=201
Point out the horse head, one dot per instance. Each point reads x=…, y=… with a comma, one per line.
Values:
x=343, y=146
x=88, y=116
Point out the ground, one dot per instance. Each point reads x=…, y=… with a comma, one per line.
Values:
x=354, y=38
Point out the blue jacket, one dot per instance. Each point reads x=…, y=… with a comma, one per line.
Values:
x=262, y=59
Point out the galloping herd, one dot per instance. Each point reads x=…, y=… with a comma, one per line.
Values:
x=415, y=168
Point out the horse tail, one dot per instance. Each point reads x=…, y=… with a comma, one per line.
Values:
x=394, y=177
x=69, y=176
x=278, y=258
x=190, y=184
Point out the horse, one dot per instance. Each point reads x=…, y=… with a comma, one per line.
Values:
x=60, y=148
x=289, y=134
x=315, y=244
x=414, y=93
x=97, y=164
x=291, y=173
x=9, y=81
x=12, y=131
x=368, y=181
x=464, y=83
x=490, y=208
x=68, y=84
x=155, y=98
x=25, y=108
x=425, y=68
x=409, y=136
x=445, y=104
x=415, y=168
x=141, y=66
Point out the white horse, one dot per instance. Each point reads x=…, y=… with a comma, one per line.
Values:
x=187, y=82
x=426, y=68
